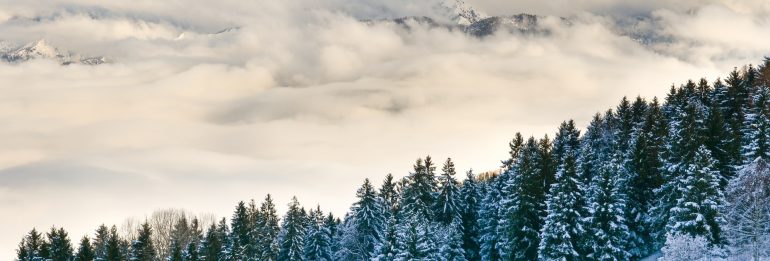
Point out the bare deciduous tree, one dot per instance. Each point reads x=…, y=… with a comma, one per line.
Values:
x=748, y=210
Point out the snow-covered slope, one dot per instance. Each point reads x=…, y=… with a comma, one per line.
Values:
x=460, y=12
x=41, y=49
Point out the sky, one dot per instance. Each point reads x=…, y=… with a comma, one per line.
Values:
x=300, y=97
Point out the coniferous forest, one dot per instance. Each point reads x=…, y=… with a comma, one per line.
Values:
x=684, y=177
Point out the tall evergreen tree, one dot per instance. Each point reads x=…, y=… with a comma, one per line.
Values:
x=317, y=238
x=268, y=230
x=489, y=214
x=59, y=245
x=365, y=226
x=563, y=226
x=469, y=214
x=241, y=232
x=696, y=212
x=606, y=224
x=292, y=233
x=116, y=250
x=85, y=251
x=100, y=242
x=418, y=196
x=522, y=206
x=142, y=248
x=448, y=206
x=30, y=247
x=389, y=195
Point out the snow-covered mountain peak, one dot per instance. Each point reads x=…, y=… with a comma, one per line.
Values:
x=42, y=49
x=460, y=12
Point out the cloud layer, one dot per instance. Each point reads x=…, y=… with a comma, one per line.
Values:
x=230, y=101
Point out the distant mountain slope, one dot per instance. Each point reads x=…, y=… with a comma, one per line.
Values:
x=41, y=49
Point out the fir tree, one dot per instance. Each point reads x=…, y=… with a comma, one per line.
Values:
x=563, y=225
x=606, y=223
x=100, y=243
x=318, y=238
x=268, y=230
x=115, y=246
x=241, y=232
x=389, y=195
x=30, y=247
x=291, y=238
x=365, y=225
x=142, y=248
x=415, y=242
x=447, y=207
x=696, y=212
x=59, y=245
x=521, y=207
x=418, y=195
x=489, y=214
x=469, y=214
x=85, y=251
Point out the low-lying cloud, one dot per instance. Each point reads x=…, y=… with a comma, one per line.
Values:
x=206, y=104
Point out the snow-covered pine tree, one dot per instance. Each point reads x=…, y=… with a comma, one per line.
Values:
x=696, y=212
x=563, y=226
x=211, y=245
x=415, y=240
x=142, y=248
x=389, y=195
x=30, y=247
x=447, y=207
x=59, y=245
x=489, y=218
x=606, y=223
x=365, y=225
x=292, y=233
x=240, y=235
x=116, y=246
x=332, y=225
x=317, y=238
x=686, y=136
x=469, y=214
x=450, y=243
x=747, y=210
x=521, y=206
x=85, y=250
x=756, y=127
x=646, y=165
x=99, y=244
x=175, y=252
x=418, y=196
x=385, y=250
x=267, y=230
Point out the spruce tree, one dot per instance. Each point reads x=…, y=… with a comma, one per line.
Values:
x=59, y=245
x=696, y=212
x=447, y=206
x=756, y=127
x=317, y=238
x=415, y=242
x=116, y=246
x=30, y=247
x=521, y=206
x=450, y=243
x=100, y=243
x=606, y=223
x=489, y=219
x=389, y=195
x=241, y=232
x=563, y=226
x=211, y=245
x=291, y=238
x=268, y=230
x=418, y=195
x=142, y=248
x=365, y=225
x=85, y=250
x=469, y=214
